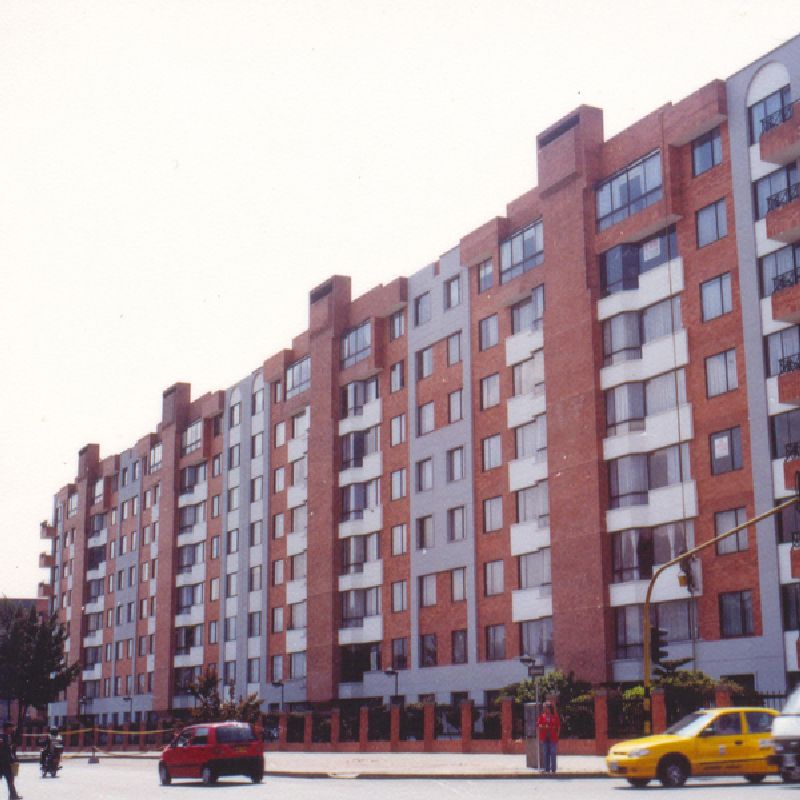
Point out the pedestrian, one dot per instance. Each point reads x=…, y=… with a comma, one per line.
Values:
x=549, y=726
x=8, y=759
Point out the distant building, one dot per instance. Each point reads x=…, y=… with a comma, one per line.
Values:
x=486, y=458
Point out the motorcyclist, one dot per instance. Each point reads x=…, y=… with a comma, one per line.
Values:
x=52, y=747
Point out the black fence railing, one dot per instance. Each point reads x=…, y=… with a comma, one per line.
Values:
x=412, y=725
x=785, y=280
x=626, y=716
x=379, y=726
x=321, y=727
x=790, y=363
x=791, y=451
x=761, y=699
x=487, y=722
x=783, y=197
x=777, y=118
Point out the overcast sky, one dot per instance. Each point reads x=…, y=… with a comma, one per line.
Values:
x=175, y=177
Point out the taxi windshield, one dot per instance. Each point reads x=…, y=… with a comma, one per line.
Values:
x=690, y=725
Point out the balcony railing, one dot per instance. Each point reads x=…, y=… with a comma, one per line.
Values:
x=792, y=451
x=785, y=280
x=789, y=363
x=777, y=118
x=783, y=197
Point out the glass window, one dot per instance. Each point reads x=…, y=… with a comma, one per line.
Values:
x=399, y=596
x=422, y=309
x=712, y=223
x=398, y=430
x=773, y=190
x=492, y=452
x=455, y=464
x=726, y=521
x=522, y=252
x=736, y=614
x=706, y=152
x=533, y=505
x=485, y=276
x=780, y=269
x=635, y=552
x=536, y=639
x=425, y=419
x=495, y=642
x=621, y=266
x=456, y=527
x=459, y=646
x=454, y=406
x=783, y=351
x=629, y=191
x=490, y=391
x=721, y=373
x=534, y=569
x=528, y=315
x=399, y=540
x=716, y=297
x=397, y=324
x=726, y=450
x=356, y=344
x=492, y=514
x=488, y=332
x=453, y=349
x=424, y=475
x=452, y=292
x=427, y=650
x=772, y=110
x=427, y=590
x=424, y=363
x=396, y=381
x=298, y=377
x=458, y=584
x=398, y=484
x=425, y=536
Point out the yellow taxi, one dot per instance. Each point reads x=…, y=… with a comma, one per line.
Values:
x=714, y=741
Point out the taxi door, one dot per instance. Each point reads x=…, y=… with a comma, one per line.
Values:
x=758, y=741
x=720, y=747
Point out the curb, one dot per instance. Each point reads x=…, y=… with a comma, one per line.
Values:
x=461, y=776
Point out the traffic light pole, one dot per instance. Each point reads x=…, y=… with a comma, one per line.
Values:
x=677, y=560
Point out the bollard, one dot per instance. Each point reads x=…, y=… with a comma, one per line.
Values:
x=93, y=759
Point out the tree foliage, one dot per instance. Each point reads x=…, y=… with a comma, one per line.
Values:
x=33, y=666
x=213, y=707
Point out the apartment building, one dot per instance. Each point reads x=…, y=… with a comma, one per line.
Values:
x=487, y=458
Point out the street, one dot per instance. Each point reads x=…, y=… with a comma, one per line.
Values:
x=132, y=779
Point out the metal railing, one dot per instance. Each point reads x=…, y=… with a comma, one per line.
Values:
x=791, y=451
x=785, y=280
x=783, y=197
x=790, y=363
x=776, y=118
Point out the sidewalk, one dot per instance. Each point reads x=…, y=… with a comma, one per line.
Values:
x=400, y=765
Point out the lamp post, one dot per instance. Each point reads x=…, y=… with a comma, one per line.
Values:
x=129, y=700
x=393, y=673
x=534, y=671
x=279, y=685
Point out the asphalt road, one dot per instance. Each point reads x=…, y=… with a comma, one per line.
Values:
x=135, y=780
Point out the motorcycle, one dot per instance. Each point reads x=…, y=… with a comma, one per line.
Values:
x=50, y=759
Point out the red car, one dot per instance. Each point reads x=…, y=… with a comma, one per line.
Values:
x=212, y=749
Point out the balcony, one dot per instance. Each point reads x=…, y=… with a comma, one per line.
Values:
x=369, y=417
x=362, y=522
x=533, y=603
x=660, y=430
x=46, y=560
x=667, y=587
x=47, y=531
x=783, y=214
x=789, y=379
x=362, y=470
x=678, y=501
x=780, y=140
x=296, y=640
x=527, y=471
x=362, y=576
x=521, y=346
x=45, y=590
x=369, y=629
x=785, y=298
x=528, y=537
x=296, y=591
x=524, y=407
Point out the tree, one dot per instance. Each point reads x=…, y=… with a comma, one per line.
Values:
x=33, y=667
x=212, y=708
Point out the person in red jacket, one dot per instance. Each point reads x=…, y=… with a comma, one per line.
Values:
x=549, y=726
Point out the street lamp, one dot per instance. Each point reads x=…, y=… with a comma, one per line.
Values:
x=393, y=673
x=534, y=671
x=279, y=685
x=129, y=700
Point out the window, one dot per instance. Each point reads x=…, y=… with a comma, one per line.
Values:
x=256, y=488
x=534, y=569
x=530, y=440
x=278, y=526
x=255, y=533
x=677, y=618
x=298, y=616
x=277, y=572
x=523, y=251
x=425, y=419
x=297, y=665
x=280, y=434
x=495, y=642
x=631, y=477
x=726, y=521
x=772, y=110
x=277, y=619
x=456, y=528
x=356, y=498
x=253, y=670
x=233, y=456
x=721, y=373
x=257, y=402
x=492, y=453
x=706, y=152
x=277, y=668
x=399, y=653
x=254, y=624
x=422, y=309
x=493, y=577
x=632, y=189
x=254, y=578
x=231, y=585
x=356, y=395
x=735, y=614
x=528, y=315
x=458, y=646
x=621, y=266
x=279, y=479
x=356, y=344
x=637, y=551
x=234, y=415
x=453, y=349
x=298, y=566
x=155, y=457
x=399, y=540
x=424, y=533
x=488, y=332
x=398, y=430
x=455, y=464
x=712, y=223
x=427, y=650
x=536, y=639
x=398, y=487
x=397, y=325
x=527, y=377
x=790, y=603
x=399, y=596
x=716, y=297
x=299, y=468
x=726, y=450
x=454, y=406
x=774, y=190
x=425, y=475
x=485, y=278
x=256, y=445
x=452, y=292
x=625, y=333
x=424, y=363
x=458, y=584
x=492, y=514
x=490, y=391
x=277, y=392
x=780, y=269
x=233, y=498
x=298, y=377
x=192, y=437
x=396, y=381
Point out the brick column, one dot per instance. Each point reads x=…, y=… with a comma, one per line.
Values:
x=505, y=724
x=722, y=696
x=282, y=730
x=466, y=726
x=394, y=727
x=658, y=711
x=335, y=714
x=363, y=728
x=428, y=731
x=600, y=721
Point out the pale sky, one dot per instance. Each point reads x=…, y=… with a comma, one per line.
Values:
x=176, y=176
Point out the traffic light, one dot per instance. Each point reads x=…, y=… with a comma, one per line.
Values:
x=658, y=645
x=686, y=577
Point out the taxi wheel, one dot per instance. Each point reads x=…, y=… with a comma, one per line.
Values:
x=754, y=778
x=164, y=777
x=673, y=772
